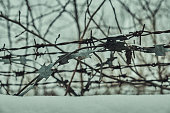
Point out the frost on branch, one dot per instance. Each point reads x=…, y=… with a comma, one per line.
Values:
x=45, y=71
x=82, y=54
x=159, y=50
x=22, y=60
x=6, y=61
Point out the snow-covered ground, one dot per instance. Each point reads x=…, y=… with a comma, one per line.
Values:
x=86, y=104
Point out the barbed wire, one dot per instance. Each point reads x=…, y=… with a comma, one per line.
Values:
x=86, y=48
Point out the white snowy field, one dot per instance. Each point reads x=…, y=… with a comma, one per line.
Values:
x=86, y=104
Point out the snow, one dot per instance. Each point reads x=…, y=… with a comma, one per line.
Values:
x=86, y=104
